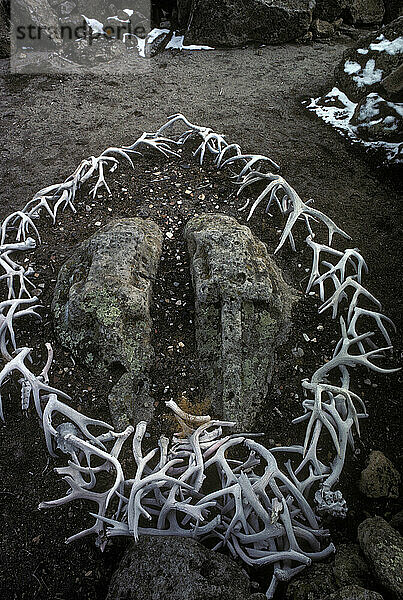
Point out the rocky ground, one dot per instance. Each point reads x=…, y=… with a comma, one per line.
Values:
x=254, y=96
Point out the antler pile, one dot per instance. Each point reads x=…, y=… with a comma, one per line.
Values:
x=261, y=518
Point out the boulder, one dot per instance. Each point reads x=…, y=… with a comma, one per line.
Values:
x=4, y=30
x=243, y=308
x=350, y=568
x=377, y=55
x=366, y=12
x=322, y=29
x=383, y=548
x=355, y=592
x=238, y=22
x=377, y=119
x=101, y=309
x=397, y=521
x=380, y=479
x=315, y=583
x=393, y=10
x=329, y=10
x=393, y=84
x=162, y=568
x=40, y=14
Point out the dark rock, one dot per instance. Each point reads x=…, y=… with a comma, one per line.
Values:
x=383, y=548
x=329, y=10
x=349, y=31
x=161, y=568
x=366, y=12
x=354, y=592
x=322, y=29
x=237, y=22
x=184, y=12
x=397, y=522
x=393, y=10
x=393, y=84
x=380, y=479
x=350, y=567
x=101, y=309
x=4, y=30
x=363, y=68
x=40, y=14
x=243, y=311
x=315, y=583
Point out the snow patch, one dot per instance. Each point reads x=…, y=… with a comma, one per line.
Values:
x=370, y=74
x=351, y=67
x=362, y=51
x=337, y=110
x=390, y=47
x=96, y=26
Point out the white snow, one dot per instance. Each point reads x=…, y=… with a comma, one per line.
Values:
x=351, y=67
x=329, y=110
x=362, y=51
x=370, y=109
x=95, y=25
x=116, y=18
x=390, y=47
x=367, y=76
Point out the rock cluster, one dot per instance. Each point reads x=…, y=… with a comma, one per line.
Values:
x=365, y=102
x=101, y=309
x=242, y=307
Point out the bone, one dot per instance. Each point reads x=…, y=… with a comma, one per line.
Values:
x=169, y=490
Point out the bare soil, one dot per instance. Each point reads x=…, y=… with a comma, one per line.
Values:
x=48, y=124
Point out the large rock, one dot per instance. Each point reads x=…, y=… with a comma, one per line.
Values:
x=330, y=10
x=4, y=30
x=376, y=56
x=383, y=547
x=40, y=14
x=350, y=567
x=237, y=22
x=355, y=592
x=393, y=10
x=393, y=84
x=366, y=12
x=243, y=311
x=315, y=583
x=101, y=310
x=161, y=568
x=380, y=479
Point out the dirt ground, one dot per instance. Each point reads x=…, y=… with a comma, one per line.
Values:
x=48, y=124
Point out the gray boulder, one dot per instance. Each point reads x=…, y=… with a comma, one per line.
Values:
x=397, y=522
x=350, y=567
x=315, y=583
x=238, y=22
x=355, y=592
x=366, y=12
x=101, y=309
x=393, y=10
x=161, y=568
x=40, y=14
x=377, y=55
x=380, y=479
x=329, y=10
x=383, y=547
x=4, y=31
x=243, y=308
x=393, y=84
